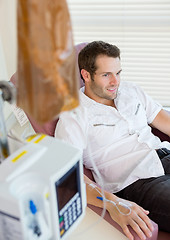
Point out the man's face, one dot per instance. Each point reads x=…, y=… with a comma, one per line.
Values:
x=104, y=85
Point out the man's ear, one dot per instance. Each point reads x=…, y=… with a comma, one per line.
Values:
x=86, y=75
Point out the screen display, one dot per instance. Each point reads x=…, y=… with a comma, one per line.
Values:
x=67, y=186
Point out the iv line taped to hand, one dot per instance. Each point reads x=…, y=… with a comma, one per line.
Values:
x=116, y=204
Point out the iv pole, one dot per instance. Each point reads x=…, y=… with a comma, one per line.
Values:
x=7, y=93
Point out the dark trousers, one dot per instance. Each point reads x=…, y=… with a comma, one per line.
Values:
x=153, y=194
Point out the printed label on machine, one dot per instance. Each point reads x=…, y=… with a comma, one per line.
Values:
x=10, y=227
x=19, y=114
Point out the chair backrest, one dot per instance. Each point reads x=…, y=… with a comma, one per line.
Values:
x=49, y=127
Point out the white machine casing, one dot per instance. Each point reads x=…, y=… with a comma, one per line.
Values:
x=48, y=172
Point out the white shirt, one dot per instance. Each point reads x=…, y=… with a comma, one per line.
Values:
x=119, y=141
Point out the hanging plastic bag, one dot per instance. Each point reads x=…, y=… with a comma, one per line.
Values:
x=47, y=75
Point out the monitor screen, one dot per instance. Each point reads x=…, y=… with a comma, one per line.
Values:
x=67, y=186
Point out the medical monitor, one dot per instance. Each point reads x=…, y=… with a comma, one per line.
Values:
x=68, y=193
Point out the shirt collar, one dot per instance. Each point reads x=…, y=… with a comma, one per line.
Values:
x=86, y=101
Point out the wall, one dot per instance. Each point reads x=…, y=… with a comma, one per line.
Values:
x=8, y=35
x=8, y=65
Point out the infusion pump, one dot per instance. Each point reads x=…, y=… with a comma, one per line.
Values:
x=42, y=192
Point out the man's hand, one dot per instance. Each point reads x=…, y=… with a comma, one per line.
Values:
x=137, y=219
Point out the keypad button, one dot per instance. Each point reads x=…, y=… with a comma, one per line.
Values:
x=70, y=221
x=66, y=221
x=74, y=210
x=74, y=217
x=79, y=212
x=66, y=227
x=61, y=219
x=61, y=224
x=66, y=215
x=78, y=200
x=62, y=232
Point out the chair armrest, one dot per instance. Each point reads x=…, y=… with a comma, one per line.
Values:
x=161, y=135
x=114, y=224
x=108, y=218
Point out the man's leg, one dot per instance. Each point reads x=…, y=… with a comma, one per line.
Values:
x=153, y=194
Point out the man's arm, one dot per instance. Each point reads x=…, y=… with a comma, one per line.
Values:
x=162, y=122
x=137, y=219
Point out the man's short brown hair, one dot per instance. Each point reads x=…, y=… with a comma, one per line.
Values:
x=87, y=56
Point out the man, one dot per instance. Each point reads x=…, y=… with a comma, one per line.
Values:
x=111, y=127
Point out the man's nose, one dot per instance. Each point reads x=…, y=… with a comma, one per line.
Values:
x=113, y=79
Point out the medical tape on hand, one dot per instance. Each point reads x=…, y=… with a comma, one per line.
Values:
x=116, y=204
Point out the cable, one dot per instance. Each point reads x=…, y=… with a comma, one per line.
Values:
x=116, y=204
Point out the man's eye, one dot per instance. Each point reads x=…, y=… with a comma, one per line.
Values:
x=105, y=75
x=118, y=73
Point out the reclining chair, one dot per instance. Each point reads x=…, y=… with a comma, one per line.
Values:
x=49, y=129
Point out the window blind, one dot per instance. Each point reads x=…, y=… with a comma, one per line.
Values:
x=140, y=28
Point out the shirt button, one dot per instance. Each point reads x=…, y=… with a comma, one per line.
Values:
x=132, y=131
x=138, y=133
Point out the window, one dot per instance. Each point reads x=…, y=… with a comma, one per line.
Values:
x=140, y=28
